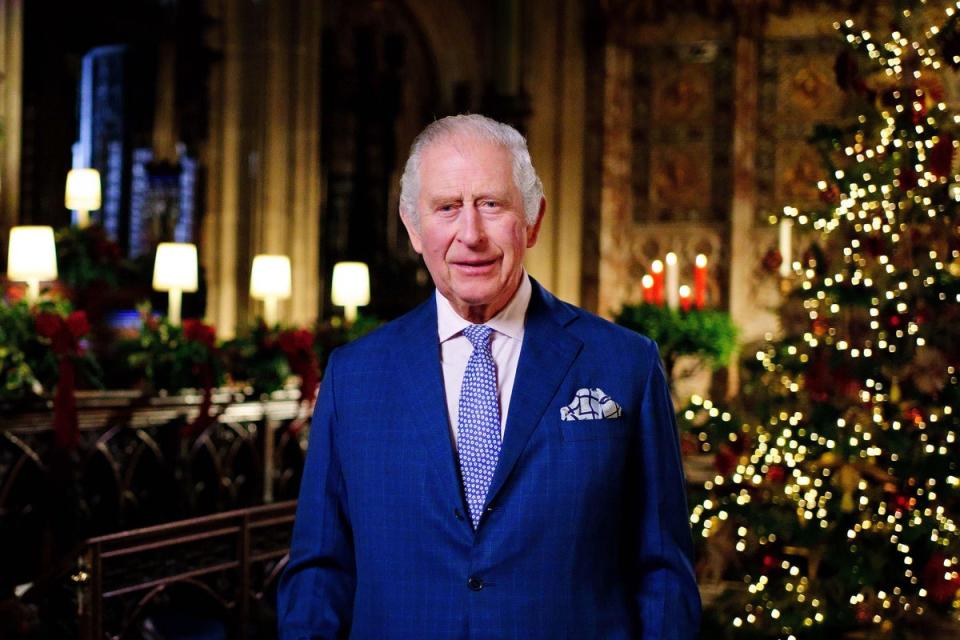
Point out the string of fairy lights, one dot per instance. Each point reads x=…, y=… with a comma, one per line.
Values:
x=847, y=465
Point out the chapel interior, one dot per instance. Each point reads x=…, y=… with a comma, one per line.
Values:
x=280, y=127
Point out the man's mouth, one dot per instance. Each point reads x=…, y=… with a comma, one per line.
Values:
x=474, y=267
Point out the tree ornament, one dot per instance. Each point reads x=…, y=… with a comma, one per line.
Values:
x=777, y=474
x=941, y=156
x=726, y=459
x=940, y=579
x=847, y=479
x=895, y=393
x=820, y=327
x=954, y=268
x=830, y=195
x=928, y=370
x=772, y=260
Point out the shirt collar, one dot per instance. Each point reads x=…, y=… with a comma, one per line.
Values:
x=509, y=321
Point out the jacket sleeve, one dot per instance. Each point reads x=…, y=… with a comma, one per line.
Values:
x=667, y=598
x=316, y=591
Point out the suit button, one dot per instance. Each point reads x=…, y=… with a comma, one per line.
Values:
x=475, y=583
x=489, y=508
x=458, y=514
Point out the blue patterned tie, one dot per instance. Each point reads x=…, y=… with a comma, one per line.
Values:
x=478, y=429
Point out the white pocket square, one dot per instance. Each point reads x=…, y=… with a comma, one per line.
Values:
x=590, y=404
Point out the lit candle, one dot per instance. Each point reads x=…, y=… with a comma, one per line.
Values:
x=647, y=283
x=684, y=292
x=786, y=247
x=700, y=281
x=657, y=269
x=672, y=281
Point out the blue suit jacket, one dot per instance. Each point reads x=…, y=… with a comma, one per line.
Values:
x=586, y=534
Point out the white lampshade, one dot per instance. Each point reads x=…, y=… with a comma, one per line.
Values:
x=32, y=254
x=32, y=257
x=83, y=190
x=270, y=277
x=351, y=284
x=175, y=267
x=350, y=287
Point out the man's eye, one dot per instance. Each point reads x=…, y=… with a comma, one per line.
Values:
x=446, y=208
x=489, y=204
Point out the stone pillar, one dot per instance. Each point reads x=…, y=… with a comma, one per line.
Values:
x=616, y=191
x=304, y=228
x=224, y=161
x=264, y=187
x=743, y=206
x=11, y=97
x=556, y=137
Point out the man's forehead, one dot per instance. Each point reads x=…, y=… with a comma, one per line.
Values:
x=465, y=144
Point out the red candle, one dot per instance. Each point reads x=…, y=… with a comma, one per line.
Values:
x=647, y=283
x=657, y=271
x=700, y=281
x=685, y=298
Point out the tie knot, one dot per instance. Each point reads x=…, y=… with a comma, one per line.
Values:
x=478, y=335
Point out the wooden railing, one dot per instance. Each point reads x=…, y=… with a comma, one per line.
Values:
x=216, y=572
x=138, y=464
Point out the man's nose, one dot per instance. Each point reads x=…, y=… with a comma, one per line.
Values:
x=471, y=232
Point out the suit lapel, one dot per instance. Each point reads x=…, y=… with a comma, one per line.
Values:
x=421, y=382
x=546, y=355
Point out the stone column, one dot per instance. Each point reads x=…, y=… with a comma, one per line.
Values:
x=224, y=162
x=11, y=96
x=743, y=206
x=304, y=229
x=616, y=191
x=556, y=137
x=264, y=186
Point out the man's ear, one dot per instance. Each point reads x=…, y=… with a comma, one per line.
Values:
x=533, y=231
x=413, y=230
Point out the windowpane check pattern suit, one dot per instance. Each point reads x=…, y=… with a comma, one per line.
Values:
x=584, y=533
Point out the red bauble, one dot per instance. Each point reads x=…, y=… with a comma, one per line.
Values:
x=830, y=195
x=725, y=460
x=941, y=156
x=777, y=474
x=940, y=589
x=819, y=327
x=770, y=563
x=908, y=177
x=772, y=260
x=913, y=415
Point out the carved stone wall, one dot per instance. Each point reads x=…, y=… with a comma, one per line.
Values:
x=705, y=122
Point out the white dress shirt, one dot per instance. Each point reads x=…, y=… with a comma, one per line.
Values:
x=455, y=350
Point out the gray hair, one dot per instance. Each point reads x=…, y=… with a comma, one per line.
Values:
x=524, y=175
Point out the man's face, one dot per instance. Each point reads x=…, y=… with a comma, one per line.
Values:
x=472, y=233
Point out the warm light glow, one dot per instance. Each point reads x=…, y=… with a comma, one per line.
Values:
x=82, y=193
x=657, y=266
x=175, y=267
x=175, y=271
x=270, y=277
x=701, y=260
x=270, y=281
x=646, y=281
x=351, y=287
x=32, y=257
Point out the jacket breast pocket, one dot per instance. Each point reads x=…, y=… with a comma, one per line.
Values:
x=573, y=430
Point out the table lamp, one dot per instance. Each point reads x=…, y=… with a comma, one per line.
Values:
x=351, y=288
x=175, y=271
x=82, y=194
x=270, y=282
x=32, y=257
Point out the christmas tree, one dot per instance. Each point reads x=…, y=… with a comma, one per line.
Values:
x=836, y=509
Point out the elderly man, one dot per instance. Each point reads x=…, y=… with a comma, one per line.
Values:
x=496, y=463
